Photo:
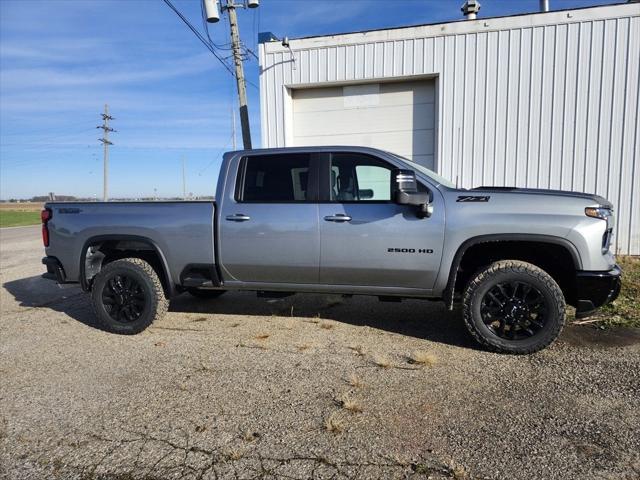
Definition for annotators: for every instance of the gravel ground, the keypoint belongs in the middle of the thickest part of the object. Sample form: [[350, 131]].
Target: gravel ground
[[304, 387]]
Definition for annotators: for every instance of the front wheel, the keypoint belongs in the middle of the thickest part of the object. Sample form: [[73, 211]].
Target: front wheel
[[514, 307], [127, 296]]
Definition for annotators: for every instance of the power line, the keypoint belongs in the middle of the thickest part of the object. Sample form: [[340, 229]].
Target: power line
[[221, 151], [199, 36]]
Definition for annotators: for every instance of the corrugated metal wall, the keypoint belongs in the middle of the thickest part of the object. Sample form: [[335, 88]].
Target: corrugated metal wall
[[547, 100]]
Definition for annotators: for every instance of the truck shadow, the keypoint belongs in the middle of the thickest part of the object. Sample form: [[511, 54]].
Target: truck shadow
[[415, 318]]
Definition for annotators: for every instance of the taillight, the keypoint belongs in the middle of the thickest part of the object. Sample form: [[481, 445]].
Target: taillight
[[45, 216]]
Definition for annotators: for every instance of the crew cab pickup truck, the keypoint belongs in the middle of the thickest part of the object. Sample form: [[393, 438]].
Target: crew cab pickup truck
[[345, 220]]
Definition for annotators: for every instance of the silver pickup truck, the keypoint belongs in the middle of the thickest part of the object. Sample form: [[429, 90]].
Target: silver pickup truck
[[346, 220]]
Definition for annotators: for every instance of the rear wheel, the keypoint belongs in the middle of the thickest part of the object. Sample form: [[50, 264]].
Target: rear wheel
[[203, 293], [514, 307], [127, 296]]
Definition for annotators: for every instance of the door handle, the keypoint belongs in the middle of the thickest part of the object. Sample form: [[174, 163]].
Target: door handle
[[338, 217], [238, 217]]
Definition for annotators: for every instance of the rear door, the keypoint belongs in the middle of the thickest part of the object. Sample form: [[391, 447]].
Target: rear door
[[269, 224], [365, 238]]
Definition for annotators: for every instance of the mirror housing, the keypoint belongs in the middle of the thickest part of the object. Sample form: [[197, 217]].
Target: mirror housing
[[404, 191]]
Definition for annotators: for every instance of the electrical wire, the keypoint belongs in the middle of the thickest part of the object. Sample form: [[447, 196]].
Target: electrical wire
[[199, 36], [215, 158], [205, 27]]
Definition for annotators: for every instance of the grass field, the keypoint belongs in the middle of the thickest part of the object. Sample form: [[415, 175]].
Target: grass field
[[19, 214], [17, 218]]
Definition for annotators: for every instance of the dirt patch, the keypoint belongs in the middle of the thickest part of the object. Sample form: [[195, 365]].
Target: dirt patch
[[594, 337]]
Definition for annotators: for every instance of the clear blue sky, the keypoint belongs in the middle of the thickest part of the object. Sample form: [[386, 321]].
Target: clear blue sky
[[62, 60]]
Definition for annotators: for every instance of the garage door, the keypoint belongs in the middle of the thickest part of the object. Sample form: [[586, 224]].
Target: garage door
[[398, 117]]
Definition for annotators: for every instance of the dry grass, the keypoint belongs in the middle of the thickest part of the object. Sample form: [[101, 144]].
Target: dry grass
[[334, 423], [262, 336], [349, 403], [459, 472], [420, 357], [382, 361], [258, 345], [249, 436], [303, 347], [22, 206], [357, 349], [625, 310], [234, 453], [326, 325], [356, 381]]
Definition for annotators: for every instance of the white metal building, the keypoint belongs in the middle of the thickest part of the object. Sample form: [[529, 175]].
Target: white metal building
[[548, 100]]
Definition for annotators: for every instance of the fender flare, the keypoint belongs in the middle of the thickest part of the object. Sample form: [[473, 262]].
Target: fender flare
[[166, 273], [503, 237]]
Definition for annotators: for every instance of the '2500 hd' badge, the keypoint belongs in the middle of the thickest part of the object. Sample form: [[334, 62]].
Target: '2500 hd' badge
[[409, 250]]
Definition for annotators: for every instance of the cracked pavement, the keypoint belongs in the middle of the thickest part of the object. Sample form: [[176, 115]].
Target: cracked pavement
[[240, 388]]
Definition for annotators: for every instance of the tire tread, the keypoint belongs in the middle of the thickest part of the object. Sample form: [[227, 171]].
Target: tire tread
[[161, 302], [514, 266]]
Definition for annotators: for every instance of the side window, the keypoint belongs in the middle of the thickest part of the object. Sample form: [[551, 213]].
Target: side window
[[359, 178], [275, 178]]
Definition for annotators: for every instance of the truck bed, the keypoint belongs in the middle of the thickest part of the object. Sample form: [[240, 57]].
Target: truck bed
[[181, 231]]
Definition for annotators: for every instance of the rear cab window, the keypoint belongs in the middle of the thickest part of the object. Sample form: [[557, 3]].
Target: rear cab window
[[275, 178]]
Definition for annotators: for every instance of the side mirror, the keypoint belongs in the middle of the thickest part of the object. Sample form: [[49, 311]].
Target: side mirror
[[404, 190]]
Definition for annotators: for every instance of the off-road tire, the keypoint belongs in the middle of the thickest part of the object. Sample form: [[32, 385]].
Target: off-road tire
[[155, 303], [204, 293], [521, 272]]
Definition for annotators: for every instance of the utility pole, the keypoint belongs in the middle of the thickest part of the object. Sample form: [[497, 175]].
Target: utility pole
[[184, 180], [230, 6], [105, 142], [242, 86]]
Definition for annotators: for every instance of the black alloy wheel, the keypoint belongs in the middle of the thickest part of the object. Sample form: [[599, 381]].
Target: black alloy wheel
[[124, 298], [511, 306], [128, 296], [514, 310]]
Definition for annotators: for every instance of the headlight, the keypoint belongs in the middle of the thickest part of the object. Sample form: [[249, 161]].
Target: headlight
[[598, 212]]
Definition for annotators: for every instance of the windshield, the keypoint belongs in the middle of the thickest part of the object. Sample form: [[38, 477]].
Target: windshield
[[425, 171]]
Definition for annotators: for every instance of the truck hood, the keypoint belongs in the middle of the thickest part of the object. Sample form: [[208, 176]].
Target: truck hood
[[541, 191]]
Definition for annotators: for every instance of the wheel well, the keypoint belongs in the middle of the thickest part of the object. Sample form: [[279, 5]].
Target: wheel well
[[101, 252], [553, 258]]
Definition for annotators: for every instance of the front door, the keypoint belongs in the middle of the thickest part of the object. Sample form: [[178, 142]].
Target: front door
[[269, 224], [368, 240]]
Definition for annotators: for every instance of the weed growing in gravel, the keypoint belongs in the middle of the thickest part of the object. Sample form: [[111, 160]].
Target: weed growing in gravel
[[303, 347], [357, 349], [326, 325], [459, 472], [382, 361], [355, 381], [423, 358], [249, 436], [334, 423], [234, 454], [348, 403]]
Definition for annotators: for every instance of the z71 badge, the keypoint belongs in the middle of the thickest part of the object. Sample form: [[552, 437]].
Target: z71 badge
[[473, 198]]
